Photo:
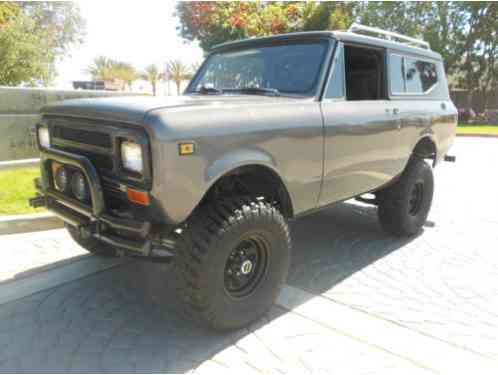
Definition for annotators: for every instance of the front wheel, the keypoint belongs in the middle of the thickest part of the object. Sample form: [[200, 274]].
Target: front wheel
[[235, 260], [404, 206]]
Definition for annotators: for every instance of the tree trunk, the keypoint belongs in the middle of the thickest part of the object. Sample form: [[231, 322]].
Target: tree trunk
[[178, 84], [469, 97], [153, 88]]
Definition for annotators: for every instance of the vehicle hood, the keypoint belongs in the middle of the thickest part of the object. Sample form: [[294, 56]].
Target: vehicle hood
[[133, 109]]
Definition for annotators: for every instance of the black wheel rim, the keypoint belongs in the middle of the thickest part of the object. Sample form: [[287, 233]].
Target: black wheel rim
[[416, 199], [246, 266]]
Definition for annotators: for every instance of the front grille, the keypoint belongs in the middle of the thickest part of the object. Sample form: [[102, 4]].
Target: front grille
[[96, 140], [112, 187], [82, 136], [100, 161]]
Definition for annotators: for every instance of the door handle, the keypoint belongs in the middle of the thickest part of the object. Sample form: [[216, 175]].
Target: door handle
[[395, 111], [443, 105]]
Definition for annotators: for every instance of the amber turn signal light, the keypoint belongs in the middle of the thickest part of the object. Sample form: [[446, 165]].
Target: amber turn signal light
[[187, 148], [137, 196]]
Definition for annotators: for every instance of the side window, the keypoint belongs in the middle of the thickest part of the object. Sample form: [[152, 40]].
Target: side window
[[420, 75], [335, 88], [364, 69], [396, 74], [411, 76]]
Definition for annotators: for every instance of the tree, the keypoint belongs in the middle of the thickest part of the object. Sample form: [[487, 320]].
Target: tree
[[24, 55], [438, 23], [33, 35], [328, 15], [106, 69], [8, 12], [178, 72], [216, 22], [124, 72], [478, 65], [102, 69], [152, 75], [59, 21]]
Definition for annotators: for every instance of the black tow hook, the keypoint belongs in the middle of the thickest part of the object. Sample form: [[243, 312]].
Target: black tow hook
[[161, 253], [156, 255], [157, 251], [450, 158]]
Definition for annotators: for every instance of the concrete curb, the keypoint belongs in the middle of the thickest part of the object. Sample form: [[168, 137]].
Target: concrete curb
[[17, 164], [13, 224], [475, 135]]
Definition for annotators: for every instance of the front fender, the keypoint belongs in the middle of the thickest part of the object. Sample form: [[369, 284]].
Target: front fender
[[194, 176], [235, 159]]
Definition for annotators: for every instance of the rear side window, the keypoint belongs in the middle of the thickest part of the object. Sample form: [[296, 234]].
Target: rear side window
[[420, 75], [408, 75]]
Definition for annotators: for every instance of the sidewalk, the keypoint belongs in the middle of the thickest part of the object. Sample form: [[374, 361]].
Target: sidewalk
[[123, 319]]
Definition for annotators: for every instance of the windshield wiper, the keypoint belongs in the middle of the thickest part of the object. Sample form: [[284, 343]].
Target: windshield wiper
[[257, 90], [209, 90]]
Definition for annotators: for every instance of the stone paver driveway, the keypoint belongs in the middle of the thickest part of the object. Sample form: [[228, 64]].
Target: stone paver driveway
[[357, 301]]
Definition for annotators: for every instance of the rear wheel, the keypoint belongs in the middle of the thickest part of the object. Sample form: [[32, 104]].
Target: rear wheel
[[234, 263], [91, 244], [404, 206]]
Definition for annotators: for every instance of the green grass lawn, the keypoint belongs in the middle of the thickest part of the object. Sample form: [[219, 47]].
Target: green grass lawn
[[16, 187], [477, 129]]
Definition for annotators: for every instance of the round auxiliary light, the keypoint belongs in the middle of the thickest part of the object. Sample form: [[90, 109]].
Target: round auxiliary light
[[62, 179], [79, 187]]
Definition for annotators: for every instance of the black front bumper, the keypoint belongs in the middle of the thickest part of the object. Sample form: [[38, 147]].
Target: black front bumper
[[134, 237]]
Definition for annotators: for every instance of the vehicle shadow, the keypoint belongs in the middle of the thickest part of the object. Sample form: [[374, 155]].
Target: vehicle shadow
[[333, 244], [127, 319], [46, 267]]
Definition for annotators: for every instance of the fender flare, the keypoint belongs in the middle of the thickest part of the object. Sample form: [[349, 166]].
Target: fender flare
[[231, 161], [431, 138]]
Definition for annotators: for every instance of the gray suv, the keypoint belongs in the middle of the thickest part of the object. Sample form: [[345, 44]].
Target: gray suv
[[268, 130]]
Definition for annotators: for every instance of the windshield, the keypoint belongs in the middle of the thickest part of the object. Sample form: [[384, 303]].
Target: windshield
[[292, 68]]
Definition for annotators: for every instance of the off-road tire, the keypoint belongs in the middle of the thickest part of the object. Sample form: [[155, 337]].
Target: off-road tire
[[210, 237], [90, 244], [398, 214]]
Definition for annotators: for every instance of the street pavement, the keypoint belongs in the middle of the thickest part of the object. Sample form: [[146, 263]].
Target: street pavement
[[357, 301]]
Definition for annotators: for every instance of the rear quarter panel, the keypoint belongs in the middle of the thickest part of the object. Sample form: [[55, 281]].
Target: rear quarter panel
[[431, 115]]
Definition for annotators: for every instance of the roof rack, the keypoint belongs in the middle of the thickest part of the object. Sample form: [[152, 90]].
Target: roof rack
[[389, 35]]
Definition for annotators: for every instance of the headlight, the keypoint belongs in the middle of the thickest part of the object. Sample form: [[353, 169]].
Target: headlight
[[131, 156], [61, 179], [44, 136]]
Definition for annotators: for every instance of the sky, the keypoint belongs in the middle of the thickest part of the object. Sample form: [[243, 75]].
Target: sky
[[139, 32]]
